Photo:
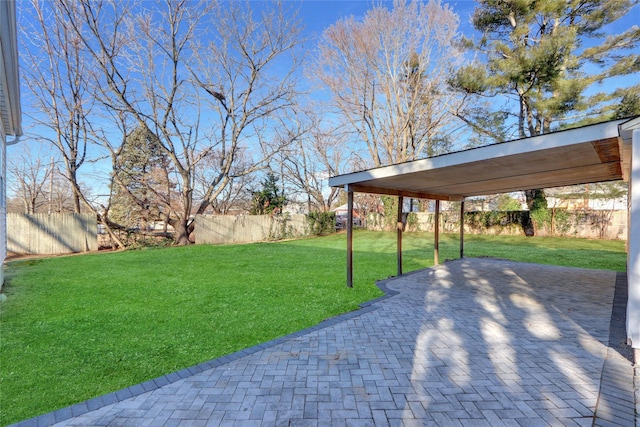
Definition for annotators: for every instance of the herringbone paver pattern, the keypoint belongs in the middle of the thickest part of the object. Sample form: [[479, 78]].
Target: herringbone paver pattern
[[474, 342]]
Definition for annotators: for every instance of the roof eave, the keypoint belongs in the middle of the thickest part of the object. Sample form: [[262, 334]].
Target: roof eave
[[518, 146], [10, 68]]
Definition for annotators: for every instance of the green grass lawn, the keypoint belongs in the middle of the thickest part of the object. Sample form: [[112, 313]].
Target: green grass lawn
[[77, 327]]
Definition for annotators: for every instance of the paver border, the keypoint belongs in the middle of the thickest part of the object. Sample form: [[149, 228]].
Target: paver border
[[617, 401]]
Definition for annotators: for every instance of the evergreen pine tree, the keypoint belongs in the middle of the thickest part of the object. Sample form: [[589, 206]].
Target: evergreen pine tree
[[268, 200], [139, 180], [537, 67]]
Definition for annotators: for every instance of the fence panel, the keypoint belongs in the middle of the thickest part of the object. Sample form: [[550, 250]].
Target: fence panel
[[40, 234], [591, 224], [224, 229]]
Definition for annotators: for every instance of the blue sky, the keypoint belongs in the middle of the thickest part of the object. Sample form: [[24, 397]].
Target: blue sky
[[317, 15]]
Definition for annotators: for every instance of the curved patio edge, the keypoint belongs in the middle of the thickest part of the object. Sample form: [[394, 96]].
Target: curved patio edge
[[98, 402]]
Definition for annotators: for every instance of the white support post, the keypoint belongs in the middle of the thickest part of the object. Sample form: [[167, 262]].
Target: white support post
[[633, 242]]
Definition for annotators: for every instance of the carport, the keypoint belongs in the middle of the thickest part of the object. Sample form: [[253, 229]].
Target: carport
[[595, 153]]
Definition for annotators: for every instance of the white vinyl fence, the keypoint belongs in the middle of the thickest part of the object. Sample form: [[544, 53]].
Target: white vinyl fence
[[51, 233]]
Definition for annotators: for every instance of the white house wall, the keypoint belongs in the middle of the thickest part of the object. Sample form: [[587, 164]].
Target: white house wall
[[633, 261], [3, 202], [10, 108]]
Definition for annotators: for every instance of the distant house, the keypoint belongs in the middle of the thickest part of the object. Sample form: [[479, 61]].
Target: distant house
[[341, 216], [296, 208], [10, 110]]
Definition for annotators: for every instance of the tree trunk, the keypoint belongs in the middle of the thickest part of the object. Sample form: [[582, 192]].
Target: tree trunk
[[76, 191], [536, 200], [102, 219], [181, 229]]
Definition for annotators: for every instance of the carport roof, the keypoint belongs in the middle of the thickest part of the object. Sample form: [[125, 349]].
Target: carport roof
[[594, 153]]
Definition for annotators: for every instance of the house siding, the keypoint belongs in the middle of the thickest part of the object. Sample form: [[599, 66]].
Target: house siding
[[3, 203], [10, 108]]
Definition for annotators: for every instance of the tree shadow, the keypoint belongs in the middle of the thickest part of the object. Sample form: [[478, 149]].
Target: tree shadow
[[499, 340], [51, 234]]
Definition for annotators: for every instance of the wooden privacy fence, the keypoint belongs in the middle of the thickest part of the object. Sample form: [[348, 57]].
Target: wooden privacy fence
[[70, 233], [51, 233], [217, 229]]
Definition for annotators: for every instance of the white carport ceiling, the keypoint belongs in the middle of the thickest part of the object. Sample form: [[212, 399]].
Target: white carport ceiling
[[588, 154]]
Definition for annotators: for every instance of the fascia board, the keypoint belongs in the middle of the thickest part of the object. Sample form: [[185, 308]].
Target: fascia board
[[520, 146]]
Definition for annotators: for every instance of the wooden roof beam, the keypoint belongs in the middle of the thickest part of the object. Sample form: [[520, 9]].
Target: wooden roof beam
[[359, 188]]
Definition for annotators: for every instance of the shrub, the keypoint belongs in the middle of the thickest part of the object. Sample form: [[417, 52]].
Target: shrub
[[321, 223]]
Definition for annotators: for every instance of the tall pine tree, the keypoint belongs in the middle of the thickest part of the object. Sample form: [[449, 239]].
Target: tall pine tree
[[539, 59], [140, 190]]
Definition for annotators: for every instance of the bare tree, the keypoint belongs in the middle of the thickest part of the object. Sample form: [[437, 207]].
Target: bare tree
[[60, 195], [140, 83], [29, 173], [236, 194], [55, 75], [247, 71], [387, 75], [161, 65], [59, 79], [35, 182], [318, 152]]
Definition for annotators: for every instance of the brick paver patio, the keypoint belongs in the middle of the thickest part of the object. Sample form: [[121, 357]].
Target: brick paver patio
[[472, 342]]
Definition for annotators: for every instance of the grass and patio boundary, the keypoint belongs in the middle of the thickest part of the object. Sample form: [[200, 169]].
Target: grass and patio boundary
[[77, 327]]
